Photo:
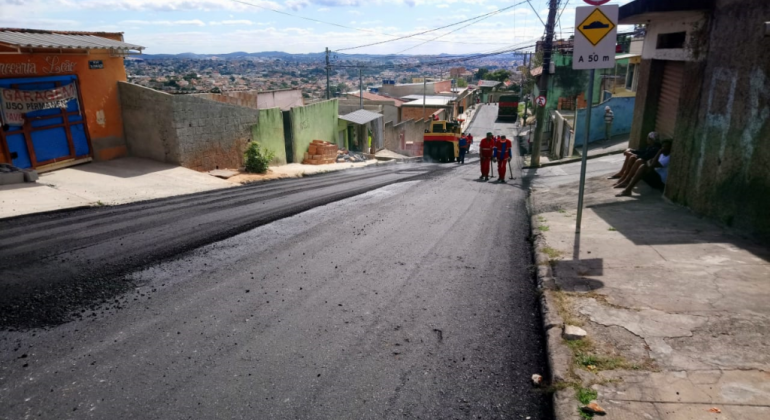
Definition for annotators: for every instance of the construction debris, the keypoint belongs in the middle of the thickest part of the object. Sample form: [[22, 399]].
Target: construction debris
[[321, 153], [344, 155], [593, 408]]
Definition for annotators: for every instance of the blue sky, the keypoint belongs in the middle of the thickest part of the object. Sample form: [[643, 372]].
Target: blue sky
[[222, 26]]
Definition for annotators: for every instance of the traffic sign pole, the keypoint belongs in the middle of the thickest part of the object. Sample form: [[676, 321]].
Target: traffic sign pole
[[594, 48], [584, 160]]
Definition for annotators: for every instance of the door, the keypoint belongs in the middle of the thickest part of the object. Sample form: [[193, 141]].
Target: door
[[668, 104], [50, 135]]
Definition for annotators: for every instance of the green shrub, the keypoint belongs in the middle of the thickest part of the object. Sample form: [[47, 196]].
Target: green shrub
[[257, 160]]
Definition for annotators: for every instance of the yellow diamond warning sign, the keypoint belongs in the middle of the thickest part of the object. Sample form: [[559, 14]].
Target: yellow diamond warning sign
[[596, 26]]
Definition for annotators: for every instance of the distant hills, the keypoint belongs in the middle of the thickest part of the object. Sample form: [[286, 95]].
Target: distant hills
[[239, 55]]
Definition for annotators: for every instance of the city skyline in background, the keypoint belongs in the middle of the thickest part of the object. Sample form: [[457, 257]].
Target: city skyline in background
[[300, 26]]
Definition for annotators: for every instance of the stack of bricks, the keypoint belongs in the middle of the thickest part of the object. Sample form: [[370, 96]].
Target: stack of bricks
[[320, 153]]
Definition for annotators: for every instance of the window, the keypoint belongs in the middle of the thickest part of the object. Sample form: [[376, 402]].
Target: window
[[630, 77], [671, 41]]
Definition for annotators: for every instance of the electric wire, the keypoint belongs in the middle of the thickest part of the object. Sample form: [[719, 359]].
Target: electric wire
[[348, 27], [492, 13]]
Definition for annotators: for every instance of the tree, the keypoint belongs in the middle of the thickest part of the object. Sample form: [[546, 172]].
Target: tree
[[462, 83], [215, 90], [481, 73], [342, 88], [500, 75]]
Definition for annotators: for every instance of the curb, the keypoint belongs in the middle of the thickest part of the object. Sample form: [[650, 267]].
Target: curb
[[572, 160], [558, 355]]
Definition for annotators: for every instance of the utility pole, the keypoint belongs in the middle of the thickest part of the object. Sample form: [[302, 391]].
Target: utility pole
[[328, 67], [543, 85], [361, 89]]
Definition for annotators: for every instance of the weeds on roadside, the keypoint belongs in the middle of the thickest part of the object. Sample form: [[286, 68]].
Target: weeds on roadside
[[257, 160]]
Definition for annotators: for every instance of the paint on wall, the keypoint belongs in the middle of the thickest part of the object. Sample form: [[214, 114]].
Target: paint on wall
[[623, 110], [317, 121], [269, 134]]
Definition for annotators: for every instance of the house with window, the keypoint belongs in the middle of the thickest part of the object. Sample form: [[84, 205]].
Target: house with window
[[59, 97], [703, 81]]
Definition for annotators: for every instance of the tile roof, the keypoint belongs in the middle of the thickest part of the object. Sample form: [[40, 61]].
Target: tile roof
[[374, 97]]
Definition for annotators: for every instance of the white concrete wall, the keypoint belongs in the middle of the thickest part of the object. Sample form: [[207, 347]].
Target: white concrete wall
[[284, 99], [687, 23]]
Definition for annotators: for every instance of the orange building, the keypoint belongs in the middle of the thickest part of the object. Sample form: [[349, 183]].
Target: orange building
[[59, 97]]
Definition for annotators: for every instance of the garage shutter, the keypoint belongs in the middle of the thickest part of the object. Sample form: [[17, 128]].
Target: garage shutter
[[668, 104], [50, 135]]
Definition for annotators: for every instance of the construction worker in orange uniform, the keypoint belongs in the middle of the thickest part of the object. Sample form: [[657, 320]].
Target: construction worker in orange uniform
[[486, 151], [502, 154]]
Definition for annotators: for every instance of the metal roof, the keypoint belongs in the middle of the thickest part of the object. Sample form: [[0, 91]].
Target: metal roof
[[361, 116], [69, 41], [431, 101], [488, 83]]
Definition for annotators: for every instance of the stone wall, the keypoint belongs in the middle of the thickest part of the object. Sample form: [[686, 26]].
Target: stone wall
[[187, 130], [317, 121], [269, 133], [720, 164]]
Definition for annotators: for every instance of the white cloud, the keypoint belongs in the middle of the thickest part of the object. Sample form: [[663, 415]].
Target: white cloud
[[194, 22], [231, 22], [169, 5], [37, 23], [442, 6]]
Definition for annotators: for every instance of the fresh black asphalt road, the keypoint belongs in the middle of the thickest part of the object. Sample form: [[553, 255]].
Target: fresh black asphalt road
[[405, 291]]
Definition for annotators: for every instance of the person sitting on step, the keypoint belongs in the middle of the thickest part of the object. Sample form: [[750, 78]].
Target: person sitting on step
[[654, 172], [632, 155]]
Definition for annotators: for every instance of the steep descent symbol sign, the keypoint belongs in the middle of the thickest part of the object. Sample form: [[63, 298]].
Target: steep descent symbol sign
[[596, 26], [540, 100]]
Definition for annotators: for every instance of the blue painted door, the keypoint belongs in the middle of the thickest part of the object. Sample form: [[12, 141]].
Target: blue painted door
[[55, 134]]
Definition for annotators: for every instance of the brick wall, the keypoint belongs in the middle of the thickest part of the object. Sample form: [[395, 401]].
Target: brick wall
[[187, 130], [246, 99], [415, 112]]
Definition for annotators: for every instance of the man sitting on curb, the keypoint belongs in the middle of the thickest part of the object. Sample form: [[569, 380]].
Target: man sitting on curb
[[654, 172], [632, 155]]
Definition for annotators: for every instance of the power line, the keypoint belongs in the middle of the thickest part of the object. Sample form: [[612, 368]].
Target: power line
[[450, 32], [347, 27], [434, 29]]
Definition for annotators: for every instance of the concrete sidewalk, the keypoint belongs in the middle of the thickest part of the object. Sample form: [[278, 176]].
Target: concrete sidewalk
[[676, 308], [596, 149], [117, 181]]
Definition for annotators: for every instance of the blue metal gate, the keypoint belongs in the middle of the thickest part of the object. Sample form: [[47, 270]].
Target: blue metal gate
[[47, 136]]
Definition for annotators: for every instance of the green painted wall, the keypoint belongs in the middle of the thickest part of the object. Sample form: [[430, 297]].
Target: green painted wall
[[269, 133], [342, 125], [313, 122]]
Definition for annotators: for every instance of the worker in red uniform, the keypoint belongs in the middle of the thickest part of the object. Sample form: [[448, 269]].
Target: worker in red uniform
[[502, 154], [486, 151], [470, 141]]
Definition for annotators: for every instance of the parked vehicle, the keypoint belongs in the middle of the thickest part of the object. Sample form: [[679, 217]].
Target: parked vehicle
[[508, 108], [441, 141]]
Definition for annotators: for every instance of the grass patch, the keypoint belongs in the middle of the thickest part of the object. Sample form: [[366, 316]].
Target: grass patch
[[612, 229], [562, 211], [552, 253], [543, 228], [561, 300], [586, 395], [541, 219]]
